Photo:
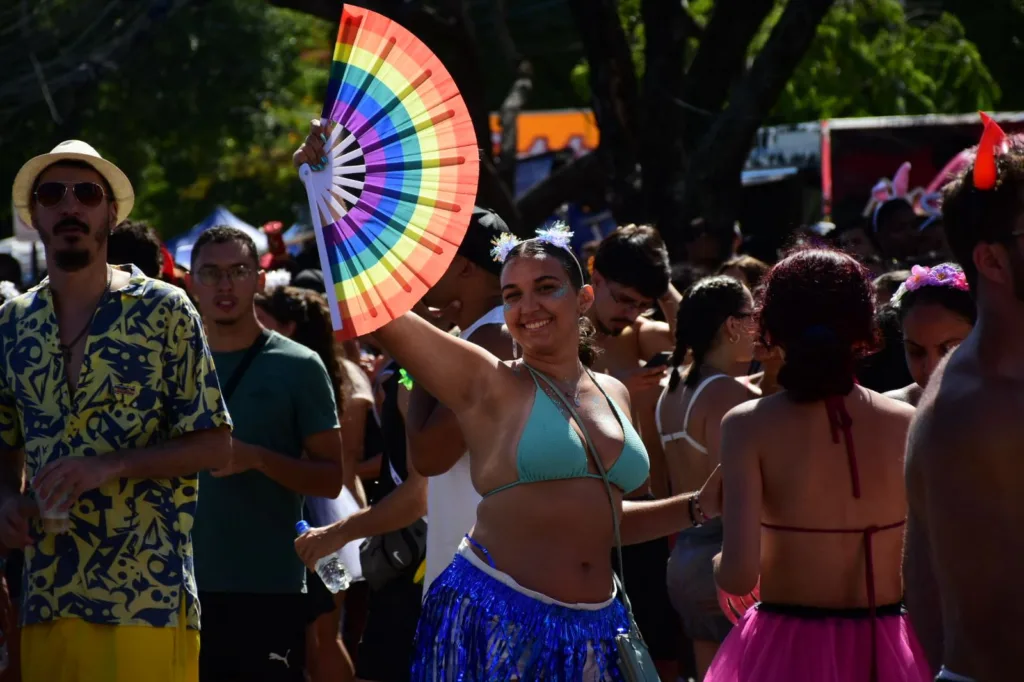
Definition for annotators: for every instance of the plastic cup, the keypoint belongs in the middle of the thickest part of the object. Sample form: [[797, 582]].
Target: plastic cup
[[54, 520]]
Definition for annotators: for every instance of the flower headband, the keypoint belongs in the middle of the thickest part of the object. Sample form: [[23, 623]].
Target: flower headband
[[8, 290], [943, 275], [558, 235], [277, 278]]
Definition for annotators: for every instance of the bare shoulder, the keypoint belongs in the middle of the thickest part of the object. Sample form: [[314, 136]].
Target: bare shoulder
[[907, 394], [361, 388], [890, 406], [615, 390], [731, 390]]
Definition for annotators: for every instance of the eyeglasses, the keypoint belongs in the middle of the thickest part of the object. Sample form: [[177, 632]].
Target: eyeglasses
[[211, 275], [88, 194], [630, 302]]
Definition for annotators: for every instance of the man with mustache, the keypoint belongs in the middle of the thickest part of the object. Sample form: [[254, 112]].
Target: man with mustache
[[109, 405]]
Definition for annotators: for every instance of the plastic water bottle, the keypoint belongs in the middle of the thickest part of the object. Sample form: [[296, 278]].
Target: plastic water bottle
[[330, 569]]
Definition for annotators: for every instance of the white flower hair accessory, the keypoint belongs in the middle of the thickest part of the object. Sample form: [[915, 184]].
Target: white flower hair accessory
[[503, 244], [277, 278], [558, 235], [8, 290]]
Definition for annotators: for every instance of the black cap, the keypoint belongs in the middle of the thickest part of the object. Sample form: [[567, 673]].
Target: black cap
[[485, 226], [310, 279]]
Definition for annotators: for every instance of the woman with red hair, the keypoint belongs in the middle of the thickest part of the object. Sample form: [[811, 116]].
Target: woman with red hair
[[814, 495]]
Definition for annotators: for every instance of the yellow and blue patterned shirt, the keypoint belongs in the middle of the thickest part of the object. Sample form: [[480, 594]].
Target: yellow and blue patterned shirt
[[147, 376]]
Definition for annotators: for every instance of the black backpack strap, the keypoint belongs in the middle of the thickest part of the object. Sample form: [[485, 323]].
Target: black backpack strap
[[243, 366]]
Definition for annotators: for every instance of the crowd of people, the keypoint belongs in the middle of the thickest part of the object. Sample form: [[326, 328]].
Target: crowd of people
[[568, 468]]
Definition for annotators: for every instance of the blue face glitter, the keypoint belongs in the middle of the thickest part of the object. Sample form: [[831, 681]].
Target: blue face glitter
[[561, 291], [507, 306]]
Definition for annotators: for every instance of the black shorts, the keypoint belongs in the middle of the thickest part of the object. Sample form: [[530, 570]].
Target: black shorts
[[645, 573], [385, 652], [253, 637]]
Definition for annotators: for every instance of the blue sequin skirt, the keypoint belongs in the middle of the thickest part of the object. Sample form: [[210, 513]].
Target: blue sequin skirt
[[479, 625]]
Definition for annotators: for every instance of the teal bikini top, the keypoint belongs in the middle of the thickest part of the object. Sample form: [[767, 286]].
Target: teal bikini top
[[551, 450]]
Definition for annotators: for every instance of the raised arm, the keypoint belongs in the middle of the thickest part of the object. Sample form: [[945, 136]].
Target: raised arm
[[434, 432], [739, 564], [456, 372]]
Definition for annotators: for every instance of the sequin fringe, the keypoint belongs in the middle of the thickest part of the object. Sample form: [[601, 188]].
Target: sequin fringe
[[474, 628]]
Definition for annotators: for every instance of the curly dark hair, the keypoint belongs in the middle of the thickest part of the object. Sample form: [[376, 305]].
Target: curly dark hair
[[704, 309], [818, 306], [308, 311], [534, 248]]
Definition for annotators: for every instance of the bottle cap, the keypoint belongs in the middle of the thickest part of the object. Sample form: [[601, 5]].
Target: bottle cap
[[301, 527]]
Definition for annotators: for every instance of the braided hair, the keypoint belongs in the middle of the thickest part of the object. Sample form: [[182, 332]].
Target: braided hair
[[307, 309], [704, 309]]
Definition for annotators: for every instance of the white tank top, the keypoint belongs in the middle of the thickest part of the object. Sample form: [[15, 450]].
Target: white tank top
[[451, 497]]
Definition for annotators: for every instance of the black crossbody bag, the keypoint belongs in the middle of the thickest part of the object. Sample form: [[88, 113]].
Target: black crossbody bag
[[243, 366]]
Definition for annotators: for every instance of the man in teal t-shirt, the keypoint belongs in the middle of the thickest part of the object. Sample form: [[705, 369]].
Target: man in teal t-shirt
[[286, 444]]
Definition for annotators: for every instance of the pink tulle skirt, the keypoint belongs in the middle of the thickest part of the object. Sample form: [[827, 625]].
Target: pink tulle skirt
[[787, 644]]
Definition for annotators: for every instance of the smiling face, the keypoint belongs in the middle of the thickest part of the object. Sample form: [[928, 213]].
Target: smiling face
[[224, 282], [73, 214], [930, 331], [542, 309]]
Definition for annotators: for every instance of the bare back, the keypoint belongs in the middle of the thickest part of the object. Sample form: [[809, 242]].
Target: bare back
[[965, 476], [688, 466], [809, 497]]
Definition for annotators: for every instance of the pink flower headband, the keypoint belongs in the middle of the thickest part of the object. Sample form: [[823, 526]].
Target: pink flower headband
[[943, 275]]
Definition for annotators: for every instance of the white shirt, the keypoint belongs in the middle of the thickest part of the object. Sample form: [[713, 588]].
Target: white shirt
[[451, 498]]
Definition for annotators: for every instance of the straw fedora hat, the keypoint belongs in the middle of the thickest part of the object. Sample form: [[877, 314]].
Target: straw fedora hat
[[74, 150]]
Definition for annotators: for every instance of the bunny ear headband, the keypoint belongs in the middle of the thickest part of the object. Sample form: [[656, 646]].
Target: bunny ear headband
[[558, 235], [886, 190]]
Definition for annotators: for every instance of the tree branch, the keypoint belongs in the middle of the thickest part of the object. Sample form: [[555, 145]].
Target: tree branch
[[614, 92], [713, 178], [662, 148], [719, 61], [575, 182], [514, 103]]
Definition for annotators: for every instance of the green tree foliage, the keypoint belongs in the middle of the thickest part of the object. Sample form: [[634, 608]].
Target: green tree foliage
[[207, 110], [868, 59]]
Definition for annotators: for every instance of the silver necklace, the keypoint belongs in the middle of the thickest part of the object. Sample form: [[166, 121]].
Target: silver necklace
[[575, 395]]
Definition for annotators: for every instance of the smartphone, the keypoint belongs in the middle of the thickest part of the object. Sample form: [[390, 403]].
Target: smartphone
[[659, 360]]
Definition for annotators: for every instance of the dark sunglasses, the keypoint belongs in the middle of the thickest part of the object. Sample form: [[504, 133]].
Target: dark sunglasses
[[88, 194], [211, 276]]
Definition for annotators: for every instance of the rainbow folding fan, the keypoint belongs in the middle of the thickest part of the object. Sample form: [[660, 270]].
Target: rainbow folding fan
[[396, 195]]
